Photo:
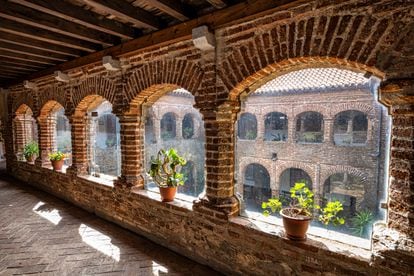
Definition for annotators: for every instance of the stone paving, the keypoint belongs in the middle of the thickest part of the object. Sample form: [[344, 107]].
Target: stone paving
[[41, 234]]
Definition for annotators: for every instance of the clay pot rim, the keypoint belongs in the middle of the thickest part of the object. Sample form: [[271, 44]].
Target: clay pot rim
[[300, 217]]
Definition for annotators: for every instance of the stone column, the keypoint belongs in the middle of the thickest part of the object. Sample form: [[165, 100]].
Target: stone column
[[260, 127], [132, 151], [179, 127]]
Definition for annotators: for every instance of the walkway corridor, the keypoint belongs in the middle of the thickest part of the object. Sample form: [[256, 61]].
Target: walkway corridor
[[40, 234]]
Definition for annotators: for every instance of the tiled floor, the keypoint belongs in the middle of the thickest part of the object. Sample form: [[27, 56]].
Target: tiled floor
[[40, 234]]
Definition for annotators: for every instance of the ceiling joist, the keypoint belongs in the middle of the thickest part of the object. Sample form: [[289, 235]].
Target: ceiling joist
[[127, 12], [80, 16], [44, 35], [32, 52], [171, 7], [25, 64], [24, 57], [25, 15]]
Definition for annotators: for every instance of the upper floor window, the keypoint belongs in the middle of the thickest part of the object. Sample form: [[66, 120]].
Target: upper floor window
[[309, 127], [276, 127], [247, 127], [350, 128], [188, 126], [168, 126]]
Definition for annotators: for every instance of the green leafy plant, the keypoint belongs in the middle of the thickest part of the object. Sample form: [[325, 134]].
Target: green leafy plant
[[361, 222], [30, 149], [56, 156], [164, 168], [303, 205], [250, 135]]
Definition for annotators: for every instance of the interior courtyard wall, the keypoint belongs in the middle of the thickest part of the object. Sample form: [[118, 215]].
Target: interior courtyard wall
[[357, 35]]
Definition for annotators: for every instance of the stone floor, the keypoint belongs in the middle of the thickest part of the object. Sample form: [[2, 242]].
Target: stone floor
[[40, 234]]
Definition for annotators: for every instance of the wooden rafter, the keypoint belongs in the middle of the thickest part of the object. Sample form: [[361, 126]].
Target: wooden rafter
[[38, 44], [41, 34], [16, 67], [28, 16], [80, 16], [218, 4], [26, 64], [32, 52], [24, 57], [171, 7], [127, 12]]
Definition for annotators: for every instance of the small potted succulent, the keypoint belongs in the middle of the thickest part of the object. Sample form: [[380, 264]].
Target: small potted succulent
[[30, 151], [57, 158], [164, 171], [302, 209]]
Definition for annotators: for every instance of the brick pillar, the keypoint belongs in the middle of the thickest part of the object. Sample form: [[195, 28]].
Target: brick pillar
[[398, 96], [220, 148], [260, 127], [328, 130], [179, 128], [46, 129], [132, 151], [79, 146]]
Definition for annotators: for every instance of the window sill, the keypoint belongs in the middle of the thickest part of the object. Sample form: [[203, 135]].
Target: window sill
[[318, 237], [105, 180], [178, 203]]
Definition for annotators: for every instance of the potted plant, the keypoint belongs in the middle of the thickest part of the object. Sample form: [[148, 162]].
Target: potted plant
[[30, 151], [164, 171], [302, 209], [57, 158]]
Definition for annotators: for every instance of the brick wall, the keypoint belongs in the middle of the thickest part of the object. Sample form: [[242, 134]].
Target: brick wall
[[371, 36]]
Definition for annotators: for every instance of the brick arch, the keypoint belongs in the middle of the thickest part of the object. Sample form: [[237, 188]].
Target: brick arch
[[25, 98], [96, 86], [152, 80], [55, 92], [280, 109], [24, 109], [246, 161], [282, 166], [325, 174], [49, 107], [343, 41], [88, 103], [364, 108]]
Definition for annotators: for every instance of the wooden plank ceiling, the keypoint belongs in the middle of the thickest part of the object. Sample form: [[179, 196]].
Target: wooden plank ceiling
[[38, 34]]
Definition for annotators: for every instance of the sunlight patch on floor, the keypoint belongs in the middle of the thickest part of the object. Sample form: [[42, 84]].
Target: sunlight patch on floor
[[158, 269], [50, 214], [99, 241]]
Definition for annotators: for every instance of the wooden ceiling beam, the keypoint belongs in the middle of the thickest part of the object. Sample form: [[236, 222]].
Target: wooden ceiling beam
[[16, 67], [25, 64], [218, 19], [32, 52], [15, 71], [24, 57], [40, 45], [127, 12], [80, 16], [44, 35], [218, 4], [51, 23], [171, 7]]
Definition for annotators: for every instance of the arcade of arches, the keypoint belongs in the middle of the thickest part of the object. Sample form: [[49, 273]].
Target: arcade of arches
[[318, 93]]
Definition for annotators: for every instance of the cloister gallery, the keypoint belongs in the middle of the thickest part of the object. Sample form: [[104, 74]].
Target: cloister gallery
[[256, 96]]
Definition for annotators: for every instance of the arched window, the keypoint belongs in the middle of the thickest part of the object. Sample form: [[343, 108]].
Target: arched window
[[186, 137], [276, 127], [247, 127], [256, 187], [289, 177], [309, 127], [63, 136], [25, 130], [350, 128], [104, 135], [168, 126], [188, 126]]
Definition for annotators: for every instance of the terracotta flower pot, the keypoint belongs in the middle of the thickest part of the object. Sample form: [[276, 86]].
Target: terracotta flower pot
[[57, 164], [295, 227], [30, 158], [168, 193]]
